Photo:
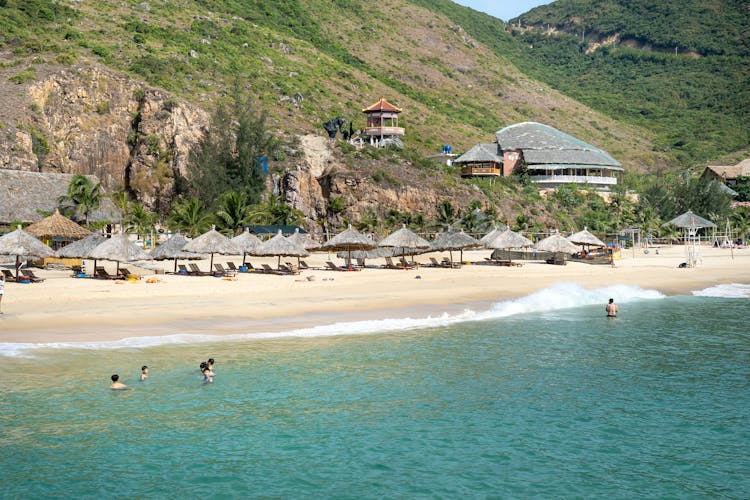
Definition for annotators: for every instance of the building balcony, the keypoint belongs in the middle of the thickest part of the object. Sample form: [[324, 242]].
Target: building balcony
[[475, 171], [383, 131], [574, 179]]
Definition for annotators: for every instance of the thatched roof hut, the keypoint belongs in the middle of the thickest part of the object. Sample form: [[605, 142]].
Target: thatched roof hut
[[81, 249], [689, 220], [212, 242], [23, 195], [509, 239], [57, 230], [585, 238], [405, 238], [21, 244]]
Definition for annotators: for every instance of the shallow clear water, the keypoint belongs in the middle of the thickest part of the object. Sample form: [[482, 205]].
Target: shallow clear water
[[562, 404]]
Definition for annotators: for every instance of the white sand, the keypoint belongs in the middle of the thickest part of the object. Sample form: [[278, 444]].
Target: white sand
[[68, 309]]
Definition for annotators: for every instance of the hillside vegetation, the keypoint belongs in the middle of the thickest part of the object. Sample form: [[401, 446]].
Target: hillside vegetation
[[679, 69]]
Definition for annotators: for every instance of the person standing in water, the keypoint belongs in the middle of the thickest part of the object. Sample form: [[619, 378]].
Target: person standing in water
[[116, 384], [144, 373], [611, 309], [2, 291]]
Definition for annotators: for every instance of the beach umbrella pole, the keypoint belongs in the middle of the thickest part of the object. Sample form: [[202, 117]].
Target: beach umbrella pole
[[18, 264]]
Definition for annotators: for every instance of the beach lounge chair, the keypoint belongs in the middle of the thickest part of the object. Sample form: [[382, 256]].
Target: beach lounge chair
[[361, 262], [126, 274], [232, 267], [8, 275], [101, 273], [182, 269], [266, 269], [288, 268], [224, 272], [303, 265], [334, 267], [558, 260], [196, 271], [31, 276], [407, 264], [389, 264]]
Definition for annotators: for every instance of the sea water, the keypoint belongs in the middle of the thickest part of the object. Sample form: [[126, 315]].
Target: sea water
[[537, 397]]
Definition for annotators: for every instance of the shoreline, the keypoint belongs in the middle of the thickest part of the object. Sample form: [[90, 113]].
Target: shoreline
[[68, 310]]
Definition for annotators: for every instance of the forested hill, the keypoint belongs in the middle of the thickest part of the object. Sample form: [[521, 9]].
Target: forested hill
[[680, 68]]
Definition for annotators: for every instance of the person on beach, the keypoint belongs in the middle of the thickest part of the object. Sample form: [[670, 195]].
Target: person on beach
[[611, 309], [2, 291], [208, 375], [116, 384], [144, 372]]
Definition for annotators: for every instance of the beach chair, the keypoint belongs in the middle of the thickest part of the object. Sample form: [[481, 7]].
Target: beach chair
[[8, 275], [232, 267], [196, 271], [101, 273], [224, 272], [289, 268], [334, 267], [126, 274], [303, 265], [266, 269], [31, 276], [182, 269], [406, 264], [361, 262], [389, 264]]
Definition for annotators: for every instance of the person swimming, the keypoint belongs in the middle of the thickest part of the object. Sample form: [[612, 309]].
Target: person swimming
[[144, 373], [611, 309], [210, 364], [116, 384], [208, 375]]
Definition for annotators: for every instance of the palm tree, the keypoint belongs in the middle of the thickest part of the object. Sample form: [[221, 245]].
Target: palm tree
[[446, 214], [233, 211], [84, 195], [275, 211], [189, 216], [741, 221], [141, 219]]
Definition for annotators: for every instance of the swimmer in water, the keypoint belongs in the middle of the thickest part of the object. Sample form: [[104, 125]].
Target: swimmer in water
[[208, 375], [144, 373], [116, 384], [210, 364], [611, 309]]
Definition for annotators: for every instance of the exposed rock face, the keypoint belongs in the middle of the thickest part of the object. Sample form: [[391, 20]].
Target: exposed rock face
[[89, 120]]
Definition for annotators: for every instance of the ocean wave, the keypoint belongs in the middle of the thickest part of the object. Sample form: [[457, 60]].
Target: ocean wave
[[728, 291], [557, 297]]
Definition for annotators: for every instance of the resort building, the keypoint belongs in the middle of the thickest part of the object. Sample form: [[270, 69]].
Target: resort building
[[550, 157], [731, 175], [381, 124]]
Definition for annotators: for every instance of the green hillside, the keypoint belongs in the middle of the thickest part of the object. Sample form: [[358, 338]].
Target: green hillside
[[679, 69]]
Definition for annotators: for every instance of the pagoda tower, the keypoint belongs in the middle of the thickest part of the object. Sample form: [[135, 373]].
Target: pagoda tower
[[382, 122]]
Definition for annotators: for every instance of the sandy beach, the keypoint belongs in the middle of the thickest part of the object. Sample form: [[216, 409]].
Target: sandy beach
[[65, 309]]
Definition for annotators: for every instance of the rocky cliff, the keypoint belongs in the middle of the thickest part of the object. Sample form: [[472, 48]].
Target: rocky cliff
[[87, 119]]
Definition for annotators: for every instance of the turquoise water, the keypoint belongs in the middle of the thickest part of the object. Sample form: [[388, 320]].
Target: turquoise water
[[565, 403]]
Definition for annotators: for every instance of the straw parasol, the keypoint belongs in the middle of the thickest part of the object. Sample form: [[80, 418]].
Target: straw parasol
[[57, 226], [19, 243], [303, 240], [556, 244], [119, 249], [349, 240], [280, 246], [247, 243], [407, 240], [212, 242], [585, 238], [492, 234], [81, 249], [508, 239], [452, 240], [173, 249], [690, 224]]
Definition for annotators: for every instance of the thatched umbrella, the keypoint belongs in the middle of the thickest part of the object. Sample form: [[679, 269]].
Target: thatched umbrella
[[508, 239], [57, 226], [212, 242], [493, 234], [303, 240], [81, 249], [247, 243], [586, 238], [452, 240], [281, 247], [556, 244], [407, 240], [173, 249], [119, 249], [19, 243], [349, 240], [690, 224]]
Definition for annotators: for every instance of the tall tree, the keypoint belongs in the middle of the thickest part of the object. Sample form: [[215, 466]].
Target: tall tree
[[189, 216], [141, 219], [233, 211], [84, 195]]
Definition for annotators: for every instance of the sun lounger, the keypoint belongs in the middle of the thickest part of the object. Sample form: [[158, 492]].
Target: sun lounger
[[126, 274], [334, 267], [232, 267], [182, 269], [266, 269], [101, 273], [224, 272], [31, 276], [8, 275], [288, 268], [407, 264], [196, 271], [558, 260], [303, 265]]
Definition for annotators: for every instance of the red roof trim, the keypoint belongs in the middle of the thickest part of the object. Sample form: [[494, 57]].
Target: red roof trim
[[382, 105]]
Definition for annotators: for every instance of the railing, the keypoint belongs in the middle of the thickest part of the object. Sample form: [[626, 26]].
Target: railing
[[469, 171], [384, 131], [577, 179]]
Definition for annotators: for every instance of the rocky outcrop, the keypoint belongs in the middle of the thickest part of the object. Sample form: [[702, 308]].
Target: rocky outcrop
[[90, 120]]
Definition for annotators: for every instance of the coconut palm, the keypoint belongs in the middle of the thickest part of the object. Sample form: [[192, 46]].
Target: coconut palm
[[741, 222], [232, 214], [84, 195], [190, 217], [275, 211], [140, 219]]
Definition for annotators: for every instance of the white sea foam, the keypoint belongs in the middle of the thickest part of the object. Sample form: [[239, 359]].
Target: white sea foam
[[730, 291], [557, 297]]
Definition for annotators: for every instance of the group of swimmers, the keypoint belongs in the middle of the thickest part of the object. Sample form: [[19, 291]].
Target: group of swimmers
[[206, 368]]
